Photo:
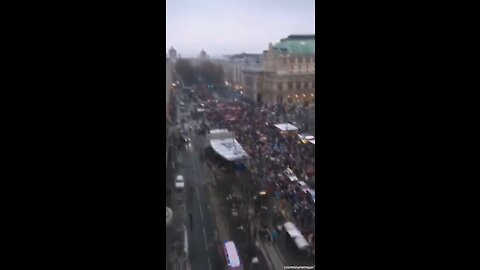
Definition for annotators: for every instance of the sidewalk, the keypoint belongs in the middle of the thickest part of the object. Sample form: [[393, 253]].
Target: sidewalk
[[175, 232], [279, 253], [281, 245], [269, 250]]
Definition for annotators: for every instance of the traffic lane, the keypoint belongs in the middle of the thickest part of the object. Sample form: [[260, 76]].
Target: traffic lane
[[241, 239], [198, 247], [209, 226], [204, 232], [238, 235], [175, 203]]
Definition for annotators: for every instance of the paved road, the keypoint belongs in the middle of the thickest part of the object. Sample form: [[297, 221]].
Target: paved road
[[204, 250], [226, 185], [207, 215], [203, 244], [218, 190], [175, 232]]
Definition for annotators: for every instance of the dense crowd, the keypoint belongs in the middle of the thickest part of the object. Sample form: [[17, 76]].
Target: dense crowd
[[271, 152]]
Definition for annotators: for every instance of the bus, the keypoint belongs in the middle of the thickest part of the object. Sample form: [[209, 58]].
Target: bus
[[231, 256]]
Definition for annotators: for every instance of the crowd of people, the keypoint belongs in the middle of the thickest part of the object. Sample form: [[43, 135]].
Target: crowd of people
[[271, 153]]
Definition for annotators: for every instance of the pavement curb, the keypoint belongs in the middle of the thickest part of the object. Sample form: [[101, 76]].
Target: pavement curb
[[271, 250], [280, 254]]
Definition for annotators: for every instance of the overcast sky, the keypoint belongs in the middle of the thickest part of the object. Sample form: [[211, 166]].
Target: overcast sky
[[235, 26]]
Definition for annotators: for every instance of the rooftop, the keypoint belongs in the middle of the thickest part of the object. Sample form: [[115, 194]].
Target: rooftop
[[286, 127], [244, 55], [229, 149], [297, 45], [300, 37]]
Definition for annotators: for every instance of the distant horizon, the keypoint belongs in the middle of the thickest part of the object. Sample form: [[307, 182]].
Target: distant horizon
[[221, 56], [211, 56], [232, 27]]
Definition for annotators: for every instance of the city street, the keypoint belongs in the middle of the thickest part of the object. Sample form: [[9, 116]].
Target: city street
[[206, 215], [241, 133], [203, 248]]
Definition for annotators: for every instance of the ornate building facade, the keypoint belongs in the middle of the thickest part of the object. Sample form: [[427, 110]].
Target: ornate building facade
[[287, 75]]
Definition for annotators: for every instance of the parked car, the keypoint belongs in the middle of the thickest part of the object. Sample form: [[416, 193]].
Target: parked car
[[179, 182], [289, 173], [311, 193], [302, 184], [305, 138]]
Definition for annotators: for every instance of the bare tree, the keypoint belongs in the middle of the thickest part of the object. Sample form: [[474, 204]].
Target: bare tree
[[186, 71], [211, 73]]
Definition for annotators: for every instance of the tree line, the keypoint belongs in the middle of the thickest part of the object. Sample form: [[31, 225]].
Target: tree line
[[206, 72]]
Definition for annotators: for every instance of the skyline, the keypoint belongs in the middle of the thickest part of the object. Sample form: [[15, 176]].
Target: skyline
[[230, 27]]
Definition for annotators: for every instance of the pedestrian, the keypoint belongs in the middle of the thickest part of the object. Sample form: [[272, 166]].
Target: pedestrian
[[269, 237]]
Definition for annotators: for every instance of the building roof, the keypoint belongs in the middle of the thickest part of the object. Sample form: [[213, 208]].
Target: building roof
[[291, 229], [297, 45], [233, 259], [286, 127], [229, 149], [300, 37], [245, 55], [215, 131]]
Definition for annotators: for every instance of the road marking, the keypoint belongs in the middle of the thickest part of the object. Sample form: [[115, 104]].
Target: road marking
[[213, 178], [198, 194], [209, 264], [201, 211], [205, 237]]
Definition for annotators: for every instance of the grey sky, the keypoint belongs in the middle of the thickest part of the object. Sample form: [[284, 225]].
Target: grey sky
[[235, 26]]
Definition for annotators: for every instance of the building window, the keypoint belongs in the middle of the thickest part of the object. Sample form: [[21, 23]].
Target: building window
[[290, 85], [313, 84], [305, 85], [284, 61], [298, 85], [307, 60], [292, 60], [280, 86]]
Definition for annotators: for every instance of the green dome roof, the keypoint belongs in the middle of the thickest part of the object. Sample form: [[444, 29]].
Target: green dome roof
[[296, 47]]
